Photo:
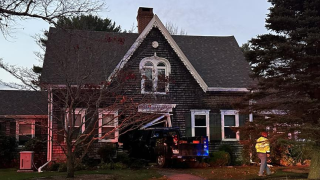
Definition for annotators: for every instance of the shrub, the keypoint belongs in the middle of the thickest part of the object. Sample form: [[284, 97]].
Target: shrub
[[117, 165], [90, 162], [219, 158], [8, 151], [62, 167], [39, 148], [123, 158], [107, 152], [227, 148], [287, 153], [79, 167], [136, 163], [54, 167], [35, 145]]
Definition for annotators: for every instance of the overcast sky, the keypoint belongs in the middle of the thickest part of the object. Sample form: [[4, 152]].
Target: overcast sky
[[244, 19]]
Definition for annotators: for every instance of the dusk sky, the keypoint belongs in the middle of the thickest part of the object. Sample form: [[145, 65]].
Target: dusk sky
[[244, 19]]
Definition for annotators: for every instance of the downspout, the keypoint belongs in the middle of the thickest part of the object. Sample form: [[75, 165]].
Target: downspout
[[49, 147]]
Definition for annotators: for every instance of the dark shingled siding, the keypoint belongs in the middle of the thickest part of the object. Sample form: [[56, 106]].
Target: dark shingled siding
[[183, 91], [90, 57]]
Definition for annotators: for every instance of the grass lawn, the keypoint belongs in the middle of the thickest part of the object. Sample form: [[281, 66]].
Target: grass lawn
[[125, 174], [250, 173], [210, 173]]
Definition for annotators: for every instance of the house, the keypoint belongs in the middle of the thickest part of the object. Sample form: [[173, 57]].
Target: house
[[24, 115], [189, 81]]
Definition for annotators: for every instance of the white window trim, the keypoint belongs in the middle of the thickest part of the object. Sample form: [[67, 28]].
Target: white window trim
[[195, 112], [82, 112], [155, 60], [31, 122], [236, 114], [116, 132]]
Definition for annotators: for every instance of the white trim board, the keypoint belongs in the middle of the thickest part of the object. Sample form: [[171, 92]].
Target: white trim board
[[155, 22]]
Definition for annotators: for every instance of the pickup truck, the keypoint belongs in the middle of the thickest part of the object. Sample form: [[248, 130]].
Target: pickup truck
[[162, 144]]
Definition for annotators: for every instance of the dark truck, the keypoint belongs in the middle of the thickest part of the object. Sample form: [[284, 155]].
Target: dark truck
[[165, 144]]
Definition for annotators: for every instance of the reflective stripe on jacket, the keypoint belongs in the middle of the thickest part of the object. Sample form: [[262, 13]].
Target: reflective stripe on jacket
[[262, 145]]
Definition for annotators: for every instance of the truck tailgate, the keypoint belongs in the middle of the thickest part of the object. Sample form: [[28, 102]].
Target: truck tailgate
[[194, 146]]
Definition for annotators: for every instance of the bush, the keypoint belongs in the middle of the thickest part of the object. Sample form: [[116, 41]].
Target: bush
[[123, 158], [107, 152], [79, 167], [136, 163], [219, 158], [62, 167], [54, 167], [227, 148], [90, 162], [39, 148], [117, 165], [8, 151], [35, 145], [287, 153]]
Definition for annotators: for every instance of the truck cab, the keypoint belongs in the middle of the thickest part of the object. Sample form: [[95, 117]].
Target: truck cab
[[162, 144]]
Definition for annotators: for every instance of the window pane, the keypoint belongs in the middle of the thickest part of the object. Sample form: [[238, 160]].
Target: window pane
[[229, 120], [25, 129], [200, 131], [200, 120], [78, 120], [108, 120], [148, 64], [161, 75], [148, 83], [148, 73], [12, 128], [106, 130], [24, 138], [161, 86], [148, 86], [229, 133], [76, 132], [161, 65]]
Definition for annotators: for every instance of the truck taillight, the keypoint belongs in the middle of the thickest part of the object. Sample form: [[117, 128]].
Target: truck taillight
[[195, 142], [175, 151]]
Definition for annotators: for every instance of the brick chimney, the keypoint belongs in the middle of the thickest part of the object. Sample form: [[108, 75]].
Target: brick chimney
[[144, 17]]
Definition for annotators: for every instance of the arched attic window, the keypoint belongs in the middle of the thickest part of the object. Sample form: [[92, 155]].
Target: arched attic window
[[154, 75]]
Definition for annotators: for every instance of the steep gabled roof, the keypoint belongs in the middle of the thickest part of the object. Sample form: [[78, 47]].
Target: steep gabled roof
[[23, 103], [216, 63]]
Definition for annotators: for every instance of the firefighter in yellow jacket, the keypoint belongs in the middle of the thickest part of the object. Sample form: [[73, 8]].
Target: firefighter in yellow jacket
[[263, 151]]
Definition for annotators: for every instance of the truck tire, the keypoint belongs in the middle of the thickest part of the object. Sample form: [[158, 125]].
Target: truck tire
[[162, 161]]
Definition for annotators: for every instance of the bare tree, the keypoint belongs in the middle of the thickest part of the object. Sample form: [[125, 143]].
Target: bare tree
[[28, 78], [174, 29], [47, 10], [85, 110]]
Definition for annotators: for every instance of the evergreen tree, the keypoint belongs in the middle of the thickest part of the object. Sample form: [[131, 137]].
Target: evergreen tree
[[286, 65], [88, 22]]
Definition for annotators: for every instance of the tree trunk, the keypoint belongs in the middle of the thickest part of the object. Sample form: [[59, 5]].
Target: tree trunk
[[70, 163], [314, 172]]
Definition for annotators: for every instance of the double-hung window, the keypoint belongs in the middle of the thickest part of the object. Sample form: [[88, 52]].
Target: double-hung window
[[229, 119], [25, 131], [75, 121], [108, 122], [155, 74], [200, 123]]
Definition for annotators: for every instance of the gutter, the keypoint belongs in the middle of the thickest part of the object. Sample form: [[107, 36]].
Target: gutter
[[49, 147]]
